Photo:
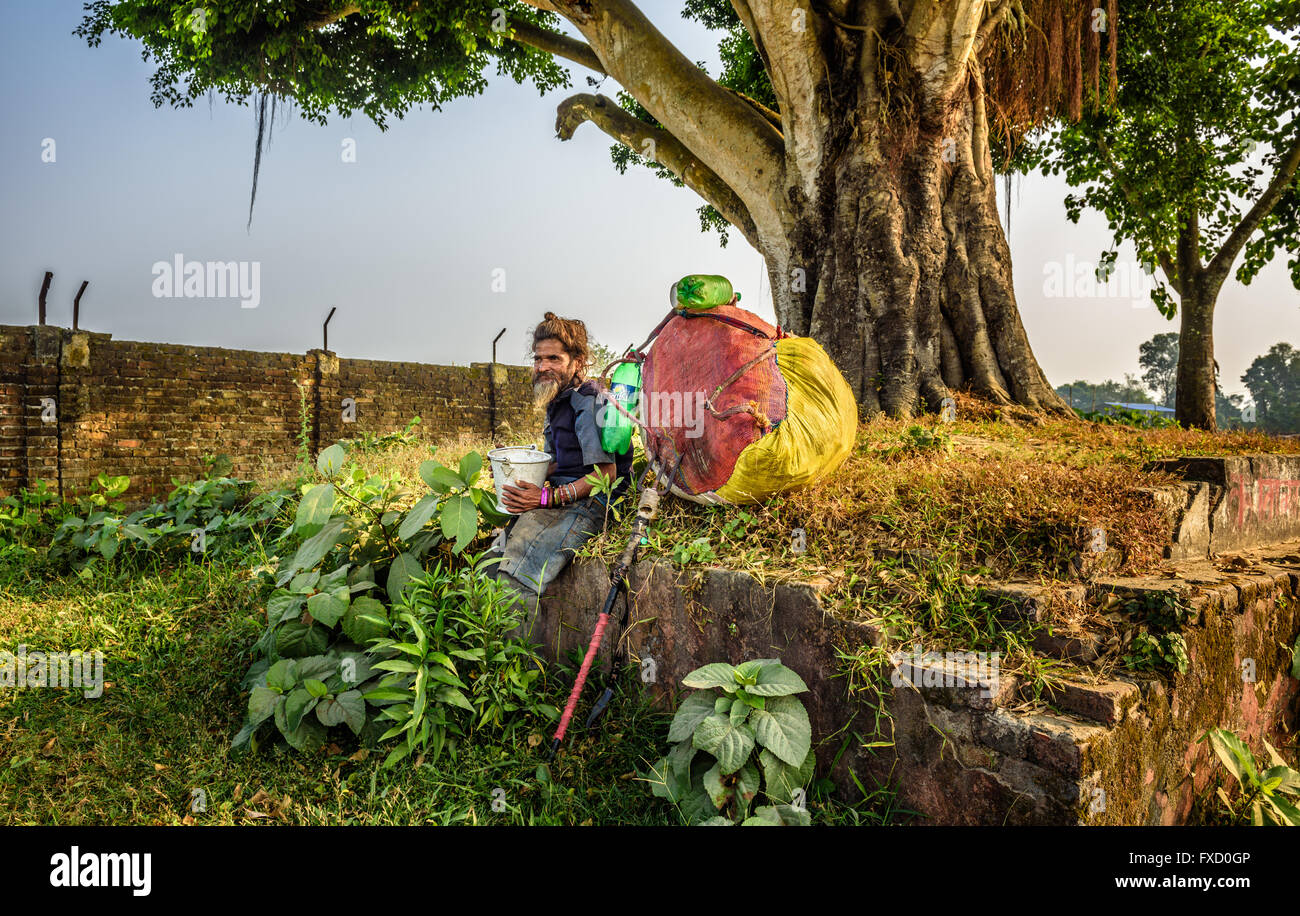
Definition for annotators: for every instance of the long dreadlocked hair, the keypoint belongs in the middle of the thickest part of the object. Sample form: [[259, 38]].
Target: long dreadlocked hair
[[570, 332]]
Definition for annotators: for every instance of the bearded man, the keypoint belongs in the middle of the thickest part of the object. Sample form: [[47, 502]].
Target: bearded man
[[555, 519]]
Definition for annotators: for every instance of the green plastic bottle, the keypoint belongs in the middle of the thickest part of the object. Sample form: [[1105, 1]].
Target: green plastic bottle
[[702, 291], [625, 388]]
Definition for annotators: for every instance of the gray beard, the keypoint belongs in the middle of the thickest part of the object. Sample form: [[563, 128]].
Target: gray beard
[[544, 391]]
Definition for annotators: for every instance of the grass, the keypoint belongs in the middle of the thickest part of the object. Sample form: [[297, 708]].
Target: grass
[[154, 748]]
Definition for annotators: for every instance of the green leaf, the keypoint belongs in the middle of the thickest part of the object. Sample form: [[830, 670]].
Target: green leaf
[[282, 605], [696, 806], [283, 675], [313, 550], [400, 572], [781, 779], [317, 667], [1295, 658], [694, 709], [782, 726], [746, 787], [296, 640], [308, 736], [304, 582], [470, 466], [314, 509], [454, 697], [329, 607], [459, 521], [719, 794], [731, 745], [718, 674], [418, 516], [717, 821], [366, 619], [316, 688], [1235, 755], [330, 460], [738, 713], [775, 680], [261, 704], [296, 705], [439, 478]]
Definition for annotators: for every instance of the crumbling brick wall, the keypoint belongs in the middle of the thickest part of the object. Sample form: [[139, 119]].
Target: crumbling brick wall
[[74, 404]]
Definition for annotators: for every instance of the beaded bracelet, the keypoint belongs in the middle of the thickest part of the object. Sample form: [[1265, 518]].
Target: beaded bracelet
[[541, 500]]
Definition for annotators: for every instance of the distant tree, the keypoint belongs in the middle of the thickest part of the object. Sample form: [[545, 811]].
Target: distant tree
[[1158, 358], [1227, 409], [1273, 381], [1089, 396], [1197, 164]]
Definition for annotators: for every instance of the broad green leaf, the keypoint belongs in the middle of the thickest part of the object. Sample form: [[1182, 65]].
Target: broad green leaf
[[330, 461], [718, 674], [694, 709], [304, 582], [308, 736], [365, 620], [718, 793], [316, 688], [781, 779], [1295, 659], [775, 681], [782, 727], [746, 787], [696, 806], [316, 667], [261, 704], [738, 713], [282, 605], [440, 479], [283, 675], [296, 705], [731, 745], [717, 821], [296, 640], [470, 466], [1235, 755], [454, 697], [314, 509], [418, 516], [329, 607], [313, 550], [765, 816], [354, 709], [400, 572], [459, 521]]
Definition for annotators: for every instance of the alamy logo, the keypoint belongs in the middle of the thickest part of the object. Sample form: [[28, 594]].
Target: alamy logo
[[660, 410], [946, 669], [104, 869], [53, 669], [180, 278]]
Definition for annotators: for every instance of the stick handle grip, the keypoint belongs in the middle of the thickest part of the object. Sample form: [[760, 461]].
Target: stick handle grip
[[582, 676]]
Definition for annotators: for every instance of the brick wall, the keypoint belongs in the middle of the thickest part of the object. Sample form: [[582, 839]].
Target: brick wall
[[74, 404]]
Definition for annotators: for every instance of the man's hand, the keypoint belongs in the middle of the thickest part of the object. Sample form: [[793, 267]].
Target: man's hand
[[522, 496]]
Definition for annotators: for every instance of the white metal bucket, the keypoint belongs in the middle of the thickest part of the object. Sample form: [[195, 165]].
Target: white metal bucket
[[511, 465]]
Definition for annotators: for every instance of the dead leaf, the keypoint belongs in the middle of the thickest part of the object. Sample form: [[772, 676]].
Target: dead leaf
[[239, 792], [534, 739], [333, 749], [260, 797], [249, 812], [159, 767], [49, 747], [188, 820], [360, 755]]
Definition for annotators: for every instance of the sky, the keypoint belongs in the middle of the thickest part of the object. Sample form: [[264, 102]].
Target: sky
[[446, 228]]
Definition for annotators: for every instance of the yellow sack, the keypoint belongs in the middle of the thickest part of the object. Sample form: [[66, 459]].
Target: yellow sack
[[815, 437]]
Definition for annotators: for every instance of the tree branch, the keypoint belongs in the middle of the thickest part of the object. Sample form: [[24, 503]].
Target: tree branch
[[667, 150], [1286, 169], [555, 43], [721, 130]]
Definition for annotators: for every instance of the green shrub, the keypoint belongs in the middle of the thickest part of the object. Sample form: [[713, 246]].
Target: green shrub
[[740, 736]]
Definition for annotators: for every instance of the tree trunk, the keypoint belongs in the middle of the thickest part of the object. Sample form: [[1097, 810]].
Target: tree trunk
[[1195, 387], [904, 276]]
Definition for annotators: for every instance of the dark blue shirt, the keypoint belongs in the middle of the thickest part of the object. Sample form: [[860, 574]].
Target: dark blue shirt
[[572, 437]]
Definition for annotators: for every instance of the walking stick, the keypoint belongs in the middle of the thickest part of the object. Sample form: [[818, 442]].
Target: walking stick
[[645, 513]]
